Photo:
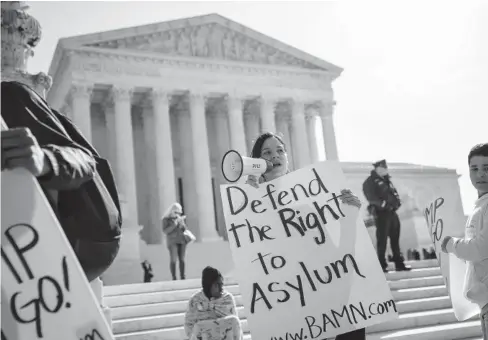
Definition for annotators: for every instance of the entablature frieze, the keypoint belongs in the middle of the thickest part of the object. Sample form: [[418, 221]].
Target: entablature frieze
[[194, 62], [162, 67], [182, 88]]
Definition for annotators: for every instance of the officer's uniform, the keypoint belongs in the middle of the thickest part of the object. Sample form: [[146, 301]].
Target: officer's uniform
[[384, 201]]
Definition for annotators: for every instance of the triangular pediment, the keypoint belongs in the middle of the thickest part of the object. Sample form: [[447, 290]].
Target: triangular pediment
[[209, 37]]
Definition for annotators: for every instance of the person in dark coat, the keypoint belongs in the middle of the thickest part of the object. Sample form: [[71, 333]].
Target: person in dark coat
[[384, 201], [148, 273]]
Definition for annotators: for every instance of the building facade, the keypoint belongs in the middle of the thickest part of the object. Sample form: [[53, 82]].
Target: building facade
[[164, 102]]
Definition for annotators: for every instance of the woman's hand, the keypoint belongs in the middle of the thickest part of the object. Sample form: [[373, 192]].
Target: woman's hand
[[253, 180], [447, 244], [181, 221], [347, 197]]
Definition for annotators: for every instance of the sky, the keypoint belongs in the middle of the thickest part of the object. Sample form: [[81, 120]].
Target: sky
[[415, 83]]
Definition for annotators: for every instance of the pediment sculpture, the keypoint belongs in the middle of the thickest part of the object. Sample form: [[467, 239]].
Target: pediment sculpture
[[212, 41]]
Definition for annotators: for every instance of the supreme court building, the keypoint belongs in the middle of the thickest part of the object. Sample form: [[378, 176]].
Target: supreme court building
[[163, 102]]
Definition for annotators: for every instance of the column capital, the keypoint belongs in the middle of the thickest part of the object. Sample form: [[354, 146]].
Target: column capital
[[160, 94], [81, 90], [66, 109], [121, 93], [267, 100], [236, 94], [326, 109], [198, 96], [298, 100], [310, 113], [235, 102]]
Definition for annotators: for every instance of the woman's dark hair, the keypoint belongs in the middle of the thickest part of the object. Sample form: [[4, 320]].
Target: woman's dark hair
[[210, 275], [258, 144], [478, 150]]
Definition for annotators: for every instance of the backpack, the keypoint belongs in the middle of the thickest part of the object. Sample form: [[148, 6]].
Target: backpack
[[90, 212]]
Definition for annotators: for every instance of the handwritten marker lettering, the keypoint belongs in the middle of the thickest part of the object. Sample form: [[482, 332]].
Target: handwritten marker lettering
[[94, 335], [280, 238], [49, 292], [20, 250], [436, 224]]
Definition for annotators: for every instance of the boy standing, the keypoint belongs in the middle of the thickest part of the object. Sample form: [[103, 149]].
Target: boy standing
[[474, 247]]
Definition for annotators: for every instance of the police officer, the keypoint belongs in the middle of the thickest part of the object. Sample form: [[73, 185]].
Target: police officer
[[384, 201]]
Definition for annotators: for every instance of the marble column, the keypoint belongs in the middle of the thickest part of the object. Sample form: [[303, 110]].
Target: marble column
[[108, 109], [251, 122], [268, 115], [283, 122], [236, 124], [330, 144], [80, 108], [126, 267], [311, 120], [125, 152], [202, 171], [67, 110], [222, 141], [165, 173], [151, 232], [299, 138], [189, 201]]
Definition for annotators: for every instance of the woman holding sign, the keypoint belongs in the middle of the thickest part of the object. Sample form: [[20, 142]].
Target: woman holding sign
[[271, 147]]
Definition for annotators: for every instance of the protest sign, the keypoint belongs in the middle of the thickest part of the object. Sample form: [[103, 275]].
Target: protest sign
[[45, 294], [441, 219], [304, 262]]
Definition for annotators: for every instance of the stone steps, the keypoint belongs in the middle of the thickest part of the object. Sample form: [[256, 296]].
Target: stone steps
[[170, 327], [138, 288], [156, 310], [451, 331], [172, 308]]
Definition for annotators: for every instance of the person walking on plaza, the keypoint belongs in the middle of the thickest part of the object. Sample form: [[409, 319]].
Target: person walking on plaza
[[384, 201], [177, 237], [474, 247]]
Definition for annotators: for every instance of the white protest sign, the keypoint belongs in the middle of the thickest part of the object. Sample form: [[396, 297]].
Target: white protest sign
[[45, 294], [441, 221], [304, 261]]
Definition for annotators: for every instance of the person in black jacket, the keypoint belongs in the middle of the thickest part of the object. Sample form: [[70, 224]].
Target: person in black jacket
[[48, 145], [148, 273], [384, 201]]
